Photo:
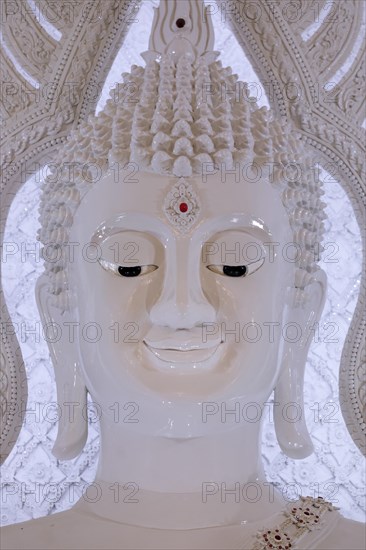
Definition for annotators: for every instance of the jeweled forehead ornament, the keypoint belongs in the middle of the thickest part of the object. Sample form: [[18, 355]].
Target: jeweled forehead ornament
[[182, 206]]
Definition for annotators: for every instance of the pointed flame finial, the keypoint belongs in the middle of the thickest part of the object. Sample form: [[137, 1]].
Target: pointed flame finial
[[182, 28]]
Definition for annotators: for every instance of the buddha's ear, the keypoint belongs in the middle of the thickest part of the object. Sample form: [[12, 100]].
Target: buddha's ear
[[304, 309], [62, 339]]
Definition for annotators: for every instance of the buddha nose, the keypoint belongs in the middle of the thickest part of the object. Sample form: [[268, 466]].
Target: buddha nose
[[171, 313], [182, 303]]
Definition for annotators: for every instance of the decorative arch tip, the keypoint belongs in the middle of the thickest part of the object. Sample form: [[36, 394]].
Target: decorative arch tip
[[181, 28]]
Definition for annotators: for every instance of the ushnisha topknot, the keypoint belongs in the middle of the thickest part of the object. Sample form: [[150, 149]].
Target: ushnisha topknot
[[186, 112]]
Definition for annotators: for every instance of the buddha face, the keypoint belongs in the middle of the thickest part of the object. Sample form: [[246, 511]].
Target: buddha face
[[169, 319]]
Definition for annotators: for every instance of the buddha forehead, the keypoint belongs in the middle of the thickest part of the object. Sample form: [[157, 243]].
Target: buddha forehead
[[220, 197]]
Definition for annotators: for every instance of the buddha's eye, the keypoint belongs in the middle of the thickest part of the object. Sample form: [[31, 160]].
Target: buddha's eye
[[237, 270], [127, 271]]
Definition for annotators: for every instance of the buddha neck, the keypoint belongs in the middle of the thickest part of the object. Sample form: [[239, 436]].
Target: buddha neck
[[181, 465], [183, 483]]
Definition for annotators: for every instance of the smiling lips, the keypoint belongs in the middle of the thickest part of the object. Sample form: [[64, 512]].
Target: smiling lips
[[179, 356], [181, 346]]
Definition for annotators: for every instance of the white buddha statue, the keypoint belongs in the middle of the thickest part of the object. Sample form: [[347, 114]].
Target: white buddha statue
[[171, 273]]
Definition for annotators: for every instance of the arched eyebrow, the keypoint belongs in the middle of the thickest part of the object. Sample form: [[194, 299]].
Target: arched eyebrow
[[133, 222], [155, 226], [237, 222]]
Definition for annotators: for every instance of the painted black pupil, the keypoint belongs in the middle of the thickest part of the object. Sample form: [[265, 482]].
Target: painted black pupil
[[129, 271], [235, 270], [180, 23]]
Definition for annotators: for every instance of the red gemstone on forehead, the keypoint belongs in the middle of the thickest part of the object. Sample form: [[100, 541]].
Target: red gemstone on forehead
[[183, 207]]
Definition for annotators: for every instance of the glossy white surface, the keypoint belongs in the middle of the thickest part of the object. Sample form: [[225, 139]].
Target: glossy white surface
[[176, 320], [127, 448]]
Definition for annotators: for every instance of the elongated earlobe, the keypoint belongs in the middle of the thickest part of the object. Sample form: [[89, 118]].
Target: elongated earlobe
[[289, 414], [71, 391]]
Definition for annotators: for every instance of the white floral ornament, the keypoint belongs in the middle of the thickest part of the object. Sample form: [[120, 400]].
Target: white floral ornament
[[181, 206], [306, 516]]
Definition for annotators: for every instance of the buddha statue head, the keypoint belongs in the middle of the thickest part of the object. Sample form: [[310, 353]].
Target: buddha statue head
[[181, 231]]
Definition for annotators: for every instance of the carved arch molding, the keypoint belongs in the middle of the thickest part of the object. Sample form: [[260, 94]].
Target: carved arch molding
[[71, 71]]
